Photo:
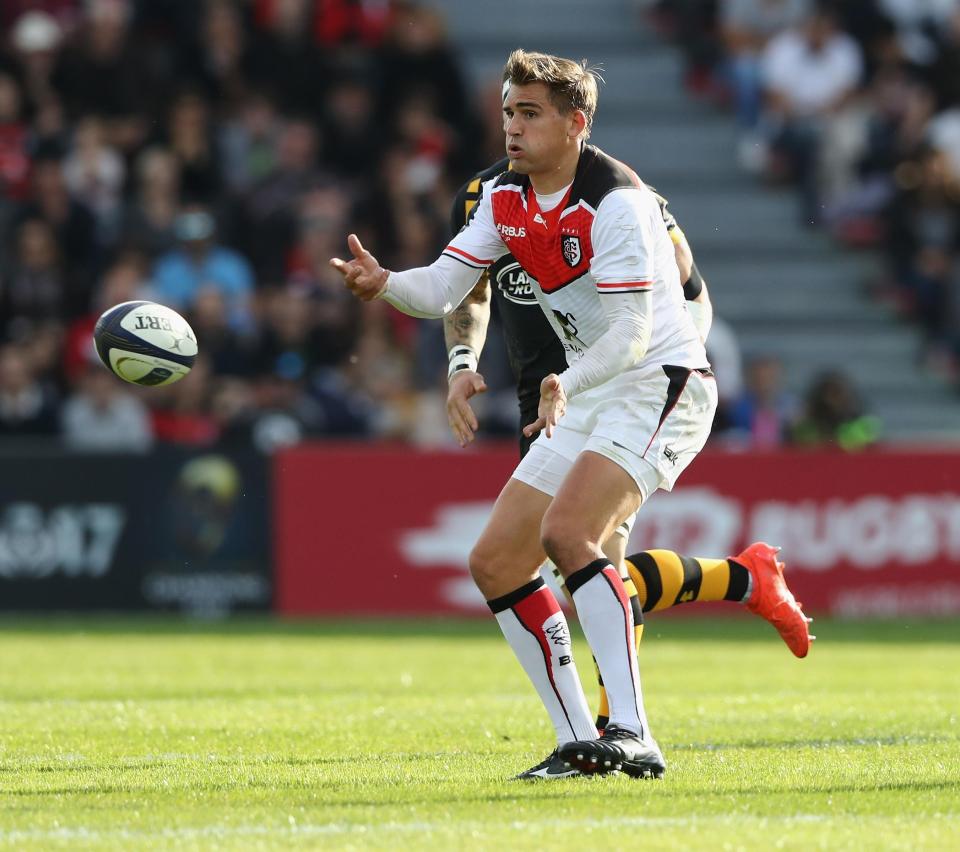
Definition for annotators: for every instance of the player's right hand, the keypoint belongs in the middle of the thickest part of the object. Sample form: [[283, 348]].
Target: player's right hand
[[463, 422], [365, 278], [553, 405]]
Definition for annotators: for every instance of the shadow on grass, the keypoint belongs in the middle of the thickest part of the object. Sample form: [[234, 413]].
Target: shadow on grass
[[738, 627], [818, 743]]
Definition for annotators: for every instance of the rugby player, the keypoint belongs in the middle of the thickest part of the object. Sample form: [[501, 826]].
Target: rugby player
[[636, 399], [655, 579]]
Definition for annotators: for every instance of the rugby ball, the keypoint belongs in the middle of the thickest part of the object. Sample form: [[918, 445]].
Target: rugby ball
[[145, 343]]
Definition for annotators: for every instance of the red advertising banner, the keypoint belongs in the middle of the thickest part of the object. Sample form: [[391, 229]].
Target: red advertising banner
[[363, 529]]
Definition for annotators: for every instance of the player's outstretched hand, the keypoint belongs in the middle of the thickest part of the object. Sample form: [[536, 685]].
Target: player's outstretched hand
[[553, 405], [365, 278], [463, 422]]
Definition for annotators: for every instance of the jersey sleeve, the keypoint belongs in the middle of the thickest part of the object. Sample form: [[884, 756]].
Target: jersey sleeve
[[624, 245], [478, 245]]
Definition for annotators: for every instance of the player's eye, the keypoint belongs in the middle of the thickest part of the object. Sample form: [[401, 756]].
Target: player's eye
[[530, 114]]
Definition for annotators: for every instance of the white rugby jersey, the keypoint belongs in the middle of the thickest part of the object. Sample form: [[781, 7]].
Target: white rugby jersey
[[607, 236]]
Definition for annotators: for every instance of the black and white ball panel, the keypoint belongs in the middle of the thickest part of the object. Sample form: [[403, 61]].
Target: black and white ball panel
[[145, 343]]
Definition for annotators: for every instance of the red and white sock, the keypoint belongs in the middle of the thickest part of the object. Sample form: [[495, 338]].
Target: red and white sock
[[603, 607], [537, 630]]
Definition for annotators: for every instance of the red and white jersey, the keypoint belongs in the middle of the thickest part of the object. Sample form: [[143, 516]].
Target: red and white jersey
[[607, 236]]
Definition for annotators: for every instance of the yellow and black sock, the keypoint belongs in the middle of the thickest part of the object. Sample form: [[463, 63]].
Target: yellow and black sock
[[664, 579]]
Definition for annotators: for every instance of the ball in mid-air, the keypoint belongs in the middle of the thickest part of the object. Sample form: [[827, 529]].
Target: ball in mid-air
[[145, 343]]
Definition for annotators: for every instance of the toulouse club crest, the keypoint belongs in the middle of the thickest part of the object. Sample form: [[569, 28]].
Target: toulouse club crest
[[571, 249]]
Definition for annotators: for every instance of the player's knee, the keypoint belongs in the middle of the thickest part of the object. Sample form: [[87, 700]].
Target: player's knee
[[557, 541], [485, 567], [566, 543]]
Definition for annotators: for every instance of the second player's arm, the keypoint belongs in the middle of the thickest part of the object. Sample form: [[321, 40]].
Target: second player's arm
[[694, 287], [465, 331], [466, 325]]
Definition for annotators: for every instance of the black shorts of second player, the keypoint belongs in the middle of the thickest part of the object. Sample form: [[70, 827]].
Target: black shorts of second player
[[528, 414]]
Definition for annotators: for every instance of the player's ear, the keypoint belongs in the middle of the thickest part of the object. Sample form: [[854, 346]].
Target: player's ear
[[577, 123]]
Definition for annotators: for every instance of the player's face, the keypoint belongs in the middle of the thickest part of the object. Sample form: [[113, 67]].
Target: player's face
[[538, 135]]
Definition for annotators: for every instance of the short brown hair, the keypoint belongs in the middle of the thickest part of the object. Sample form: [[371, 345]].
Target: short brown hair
[[572, 85]]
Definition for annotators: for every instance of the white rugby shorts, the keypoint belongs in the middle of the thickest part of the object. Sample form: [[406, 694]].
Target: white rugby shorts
[[653, 432]]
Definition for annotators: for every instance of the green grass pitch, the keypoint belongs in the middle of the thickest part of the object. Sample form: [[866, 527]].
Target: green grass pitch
[[255, 734]]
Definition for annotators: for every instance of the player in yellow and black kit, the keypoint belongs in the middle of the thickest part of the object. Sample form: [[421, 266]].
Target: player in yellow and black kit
[[655, 579]]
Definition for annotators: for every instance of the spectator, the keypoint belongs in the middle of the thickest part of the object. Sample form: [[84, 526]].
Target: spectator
[[380, 370], [200, 262], [27, 407], [944, 136], [14, 159], [36, 39], [148, 218], [221, 56], [924, 221], [34, 286], [249, 142], [834, 415], [809, 74], [63, 12], [285, 60], [281, 138], [182, 412], [917, 22], [764, 414], [693, 25], [944, 72], [351, 138], [94, 174], [230, 353], [74, 226], [746, 28], [270, 209], [191, 139], [417, 63], [900, 112], [334, 314], [100, 74], [290, 343], [104, 416]]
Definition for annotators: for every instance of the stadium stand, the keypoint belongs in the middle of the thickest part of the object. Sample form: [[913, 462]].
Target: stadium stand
[[212, 156]]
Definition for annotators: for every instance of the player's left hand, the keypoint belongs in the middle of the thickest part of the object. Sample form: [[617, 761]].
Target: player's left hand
[[553, 405], [365, 278], [464, 384]]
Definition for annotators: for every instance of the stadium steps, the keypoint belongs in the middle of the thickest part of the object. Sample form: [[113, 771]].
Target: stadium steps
[[786, 290]]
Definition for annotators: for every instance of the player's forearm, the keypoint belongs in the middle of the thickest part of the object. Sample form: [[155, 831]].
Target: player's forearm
[[467, 324], [430, 291], [694, 287], [682, 253], [621, 346]]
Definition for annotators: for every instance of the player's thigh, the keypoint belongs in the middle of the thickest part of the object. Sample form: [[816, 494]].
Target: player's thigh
[[596, 496], [508, 552]]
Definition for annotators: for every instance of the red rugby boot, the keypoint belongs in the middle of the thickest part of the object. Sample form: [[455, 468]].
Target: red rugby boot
[[772, 600]]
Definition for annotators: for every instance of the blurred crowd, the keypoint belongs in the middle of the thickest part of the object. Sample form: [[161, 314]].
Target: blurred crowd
[[857, 103], [212, 156]]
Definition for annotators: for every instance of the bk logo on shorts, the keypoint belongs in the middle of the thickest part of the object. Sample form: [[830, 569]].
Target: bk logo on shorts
[[571, 249]]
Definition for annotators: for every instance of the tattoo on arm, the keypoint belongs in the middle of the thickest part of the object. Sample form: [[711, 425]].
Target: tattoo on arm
[[467, 323]]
